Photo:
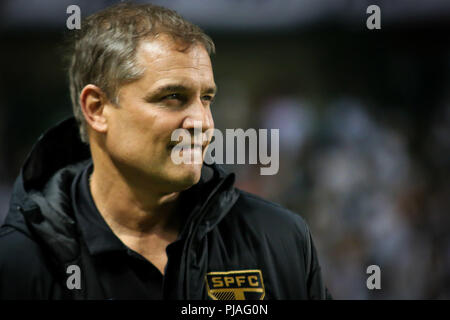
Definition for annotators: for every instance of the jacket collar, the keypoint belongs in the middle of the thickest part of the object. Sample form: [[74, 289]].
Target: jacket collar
[[57, 148], [42, 190], [48, 167]]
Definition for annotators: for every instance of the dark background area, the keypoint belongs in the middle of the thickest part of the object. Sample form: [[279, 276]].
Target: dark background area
[[364, 119]]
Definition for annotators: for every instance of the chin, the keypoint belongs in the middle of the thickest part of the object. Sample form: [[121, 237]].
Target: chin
[[187, 175]]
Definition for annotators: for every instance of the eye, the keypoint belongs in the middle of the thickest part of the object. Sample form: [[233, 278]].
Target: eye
[[173, 96], [208, 98]]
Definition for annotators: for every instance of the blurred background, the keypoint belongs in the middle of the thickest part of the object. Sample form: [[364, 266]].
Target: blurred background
[[364, 119]]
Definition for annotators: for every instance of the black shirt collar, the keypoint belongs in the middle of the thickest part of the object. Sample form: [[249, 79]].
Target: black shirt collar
[[96, 232]]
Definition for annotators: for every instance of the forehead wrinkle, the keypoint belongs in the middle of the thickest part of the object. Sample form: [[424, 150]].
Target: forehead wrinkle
[[184, 75], [152, 52], [187, 67], [163, 66]]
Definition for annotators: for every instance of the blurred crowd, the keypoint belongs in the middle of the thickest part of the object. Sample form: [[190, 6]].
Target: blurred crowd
[[366, 197]]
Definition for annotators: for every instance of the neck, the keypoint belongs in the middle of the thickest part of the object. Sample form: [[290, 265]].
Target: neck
[[132, 208]]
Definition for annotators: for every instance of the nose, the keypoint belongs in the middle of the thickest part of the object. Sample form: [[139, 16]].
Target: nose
[[197, 113]]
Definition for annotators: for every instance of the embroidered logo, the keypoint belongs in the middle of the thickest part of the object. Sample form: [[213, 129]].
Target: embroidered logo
[[235, 285]]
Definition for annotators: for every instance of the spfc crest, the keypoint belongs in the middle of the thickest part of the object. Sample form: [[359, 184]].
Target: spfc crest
[[235, 285]]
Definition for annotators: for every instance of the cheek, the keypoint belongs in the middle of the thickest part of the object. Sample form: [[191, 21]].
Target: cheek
[[129, 132], [129, 128]]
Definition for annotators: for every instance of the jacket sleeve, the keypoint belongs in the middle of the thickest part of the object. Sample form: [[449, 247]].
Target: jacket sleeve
[[315, 285], [23, 273]]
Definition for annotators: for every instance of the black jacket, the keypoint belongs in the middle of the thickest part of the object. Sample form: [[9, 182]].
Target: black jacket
[[235, 242]]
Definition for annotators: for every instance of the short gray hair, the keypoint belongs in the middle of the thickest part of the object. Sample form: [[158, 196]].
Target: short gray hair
[[103, 51]]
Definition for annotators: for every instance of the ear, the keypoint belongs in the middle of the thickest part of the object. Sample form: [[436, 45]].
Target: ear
[[93, 101]]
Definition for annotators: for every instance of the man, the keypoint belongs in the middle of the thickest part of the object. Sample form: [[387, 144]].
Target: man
[[100, 210]]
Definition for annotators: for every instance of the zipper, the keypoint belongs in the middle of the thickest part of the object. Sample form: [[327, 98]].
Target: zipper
[[193, 229]]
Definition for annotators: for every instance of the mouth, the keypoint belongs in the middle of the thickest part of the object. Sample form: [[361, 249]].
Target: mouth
[[181, 146], [190, 148], [188, 153]]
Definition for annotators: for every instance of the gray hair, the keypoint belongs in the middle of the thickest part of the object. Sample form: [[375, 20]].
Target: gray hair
[[103, 51]]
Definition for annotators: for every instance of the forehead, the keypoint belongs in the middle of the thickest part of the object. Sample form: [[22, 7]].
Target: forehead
[[165, 60]]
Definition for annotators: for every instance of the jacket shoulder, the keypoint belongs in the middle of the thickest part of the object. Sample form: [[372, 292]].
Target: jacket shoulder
[[280, 242], [269, 216], [23, 270]]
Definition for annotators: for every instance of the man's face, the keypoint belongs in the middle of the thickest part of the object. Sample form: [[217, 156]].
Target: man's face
[[177, 89]]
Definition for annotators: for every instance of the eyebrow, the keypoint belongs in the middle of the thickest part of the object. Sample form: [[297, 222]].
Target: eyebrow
[[179, 88]]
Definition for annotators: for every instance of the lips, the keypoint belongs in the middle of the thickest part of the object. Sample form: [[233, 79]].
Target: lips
[[187, 147], [179, 145]]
